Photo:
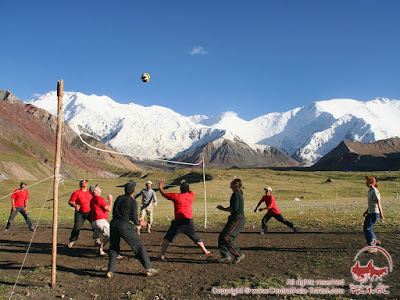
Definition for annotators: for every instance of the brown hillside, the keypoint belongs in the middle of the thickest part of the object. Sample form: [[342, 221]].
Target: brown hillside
[[348, 155], [238, 154], [27, 139]]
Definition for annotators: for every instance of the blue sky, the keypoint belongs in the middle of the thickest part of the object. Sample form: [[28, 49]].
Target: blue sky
[[204, 57]]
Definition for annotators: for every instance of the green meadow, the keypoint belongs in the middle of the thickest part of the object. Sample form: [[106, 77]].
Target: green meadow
[[308, 199]]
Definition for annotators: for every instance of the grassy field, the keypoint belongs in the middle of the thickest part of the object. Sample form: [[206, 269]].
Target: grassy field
[[328, 216], [338, 204]]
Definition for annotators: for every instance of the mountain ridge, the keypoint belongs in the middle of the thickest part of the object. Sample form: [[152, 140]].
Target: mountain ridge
[[27, 145], [305, 133], [355, 156]]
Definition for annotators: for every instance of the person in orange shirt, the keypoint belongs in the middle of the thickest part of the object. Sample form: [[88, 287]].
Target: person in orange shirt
[[19, 200], [273, 211]]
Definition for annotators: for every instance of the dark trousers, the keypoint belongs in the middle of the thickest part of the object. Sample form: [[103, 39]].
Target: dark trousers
[[124, 229], [369, 224], [279, 217], [79, 220], [185, 226], [15, 212], [226, 240]]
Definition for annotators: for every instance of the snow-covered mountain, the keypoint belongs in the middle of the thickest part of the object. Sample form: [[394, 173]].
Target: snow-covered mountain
[[305, 133], [308, 133], [148, 132]]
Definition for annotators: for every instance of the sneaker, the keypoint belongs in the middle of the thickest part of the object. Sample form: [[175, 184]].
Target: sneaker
[[120, 256], [32, 229], [151, 272], [109, 275], [378, 243], [101, 252], [148, 230], [238, 258], [71, 244], [294, 229], [224, 258]]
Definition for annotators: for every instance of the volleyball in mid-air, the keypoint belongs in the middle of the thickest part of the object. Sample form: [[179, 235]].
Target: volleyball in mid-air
[[145, 77]]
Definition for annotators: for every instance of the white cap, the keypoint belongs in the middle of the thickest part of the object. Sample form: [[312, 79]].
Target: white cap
[[268, 188], [149, 182]]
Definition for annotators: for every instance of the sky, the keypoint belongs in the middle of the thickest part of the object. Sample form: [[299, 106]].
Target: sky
[[204, 57]]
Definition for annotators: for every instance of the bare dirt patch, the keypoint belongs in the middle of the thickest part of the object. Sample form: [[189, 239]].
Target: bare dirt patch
[[271, 260]]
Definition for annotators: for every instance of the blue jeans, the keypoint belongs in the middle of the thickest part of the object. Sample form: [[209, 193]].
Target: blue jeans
[[369, 224]]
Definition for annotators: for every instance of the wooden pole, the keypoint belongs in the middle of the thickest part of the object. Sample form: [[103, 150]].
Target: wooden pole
[[205, 193], [60, 86]]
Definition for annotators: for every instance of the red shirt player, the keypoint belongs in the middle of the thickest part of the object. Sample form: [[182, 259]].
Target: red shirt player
[[183, 222], [19, 199], [273, 211], [100, 208], [80, 200]]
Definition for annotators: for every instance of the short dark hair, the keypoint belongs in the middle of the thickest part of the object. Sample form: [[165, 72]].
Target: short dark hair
[[185, 187]]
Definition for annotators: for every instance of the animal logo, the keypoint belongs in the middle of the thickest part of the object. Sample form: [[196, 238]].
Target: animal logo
[[369, 272]]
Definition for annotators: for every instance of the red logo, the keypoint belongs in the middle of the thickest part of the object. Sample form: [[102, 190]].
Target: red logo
[[369, 272], [361, 272]]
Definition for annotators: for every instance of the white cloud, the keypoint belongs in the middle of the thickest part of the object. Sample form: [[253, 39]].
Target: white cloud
[[198, 50]]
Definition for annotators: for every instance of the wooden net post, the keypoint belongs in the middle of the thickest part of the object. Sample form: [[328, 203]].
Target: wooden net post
[[60, 86]]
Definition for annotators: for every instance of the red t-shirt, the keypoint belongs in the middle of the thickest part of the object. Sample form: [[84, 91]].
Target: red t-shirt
[[182, 203], [270, 201], [83, 199], [19, 197], [97, 207]]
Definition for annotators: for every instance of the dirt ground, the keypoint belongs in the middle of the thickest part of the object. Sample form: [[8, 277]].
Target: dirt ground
[[275, 260]]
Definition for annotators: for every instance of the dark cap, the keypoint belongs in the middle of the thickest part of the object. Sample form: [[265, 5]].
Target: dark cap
[[129, 187], [22, 183], [92, 187], [80, 182]]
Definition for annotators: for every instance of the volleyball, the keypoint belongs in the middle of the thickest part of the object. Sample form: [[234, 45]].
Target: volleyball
[[145, 77]]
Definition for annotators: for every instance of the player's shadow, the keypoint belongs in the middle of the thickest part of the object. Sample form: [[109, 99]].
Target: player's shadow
[[300, 232], [22, 246], [3, 282], [94, 273], [171, 259], [7, 265], [81, 272], [295, 250]]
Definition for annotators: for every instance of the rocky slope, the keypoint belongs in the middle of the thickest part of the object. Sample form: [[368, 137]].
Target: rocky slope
[[27, 145], [355, 156]]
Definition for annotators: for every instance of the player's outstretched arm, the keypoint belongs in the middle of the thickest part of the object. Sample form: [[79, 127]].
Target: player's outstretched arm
[[161, 187]]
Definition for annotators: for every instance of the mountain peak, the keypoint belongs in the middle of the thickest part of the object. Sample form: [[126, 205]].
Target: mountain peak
[[306, 133], [6, 95]]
